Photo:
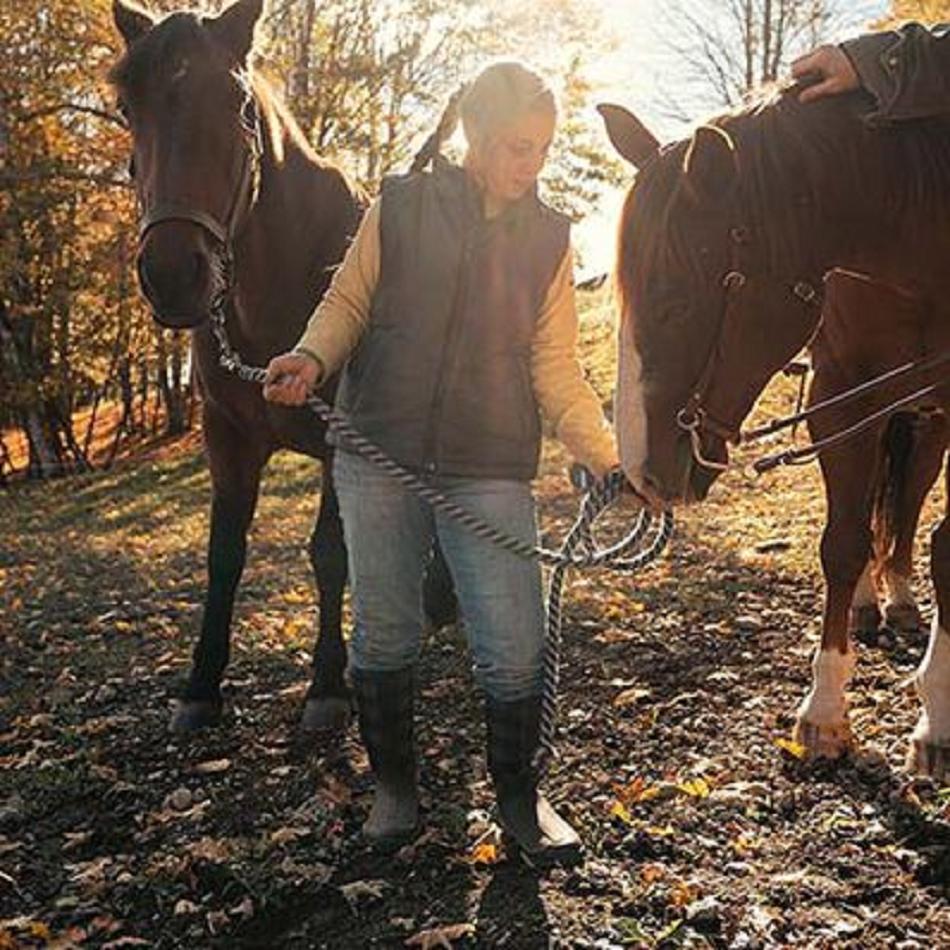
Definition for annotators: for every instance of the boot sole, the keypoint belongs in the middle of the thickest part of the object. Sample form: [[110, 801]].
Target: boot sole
[[388, 844], [565, 857]]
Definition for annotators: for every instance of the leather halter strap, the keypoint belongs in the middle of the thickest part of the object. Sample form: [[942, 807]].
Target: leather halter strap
[[695, 417]]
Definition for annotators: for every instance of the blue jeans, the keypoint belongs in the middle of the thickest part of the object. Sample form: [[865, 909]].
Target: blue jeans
[[389, 534]]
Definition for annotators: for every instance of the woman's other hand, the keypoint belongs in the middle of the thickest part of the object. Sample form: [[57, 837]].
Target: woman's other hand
[[834, 70], [290, 378]]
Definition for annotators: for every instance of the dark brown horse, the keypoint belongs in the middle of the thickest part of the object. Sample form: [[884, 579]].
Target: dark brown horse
[[725, 241], [221, 171]]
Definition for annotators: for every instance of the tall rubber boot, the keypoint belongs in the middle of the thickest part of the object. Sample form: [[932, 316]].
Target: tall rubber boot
[[527, 818], [384, 702]]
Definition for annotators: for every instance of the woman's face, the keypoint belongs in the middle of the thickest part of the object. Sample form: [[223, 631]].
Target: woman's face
[[508, 164]]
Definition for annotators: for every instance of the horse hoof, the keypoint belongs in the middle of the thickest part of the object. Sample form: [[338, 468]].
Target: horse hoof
[[193, 715], [864, 619], [929, 755], [823, 740], [904, 618], [326, 714]]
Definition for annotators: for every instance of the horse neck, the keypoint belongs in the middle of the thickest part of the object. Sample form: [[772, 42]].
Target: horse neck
[[809, 214], [293, 236]]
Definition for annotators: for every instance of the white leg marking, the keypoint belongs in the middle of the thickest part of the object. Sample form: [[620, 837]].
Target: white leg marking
[[933, 687], [826, 704]]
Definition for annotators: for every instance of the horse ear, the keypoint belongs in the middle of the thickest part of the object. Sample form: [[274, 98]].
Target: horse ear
[[131, 21], [629, 136], [234, 28], [710, 165]]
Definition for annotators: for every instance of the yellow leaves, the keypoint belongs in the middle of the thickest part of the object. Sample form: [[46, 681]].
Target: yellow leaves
[[794, 749], [619, 810], [744, 844], [639, 791], [636, 791], [695, 788], [441, 938], [299, 596], [650, 873], [682, 894]]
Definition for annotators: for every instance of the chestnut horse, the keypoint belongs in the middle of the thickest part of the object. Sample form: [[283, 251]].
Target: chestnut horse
[[725, 240]]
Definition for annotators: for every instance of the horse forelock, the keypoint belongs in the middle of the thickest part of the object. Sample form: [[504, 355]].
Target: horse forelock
[[651, 237]]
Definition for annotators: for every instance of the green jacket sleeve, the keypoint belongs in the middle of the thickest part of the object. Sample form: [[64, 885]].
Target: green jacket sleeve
[[906, 70]]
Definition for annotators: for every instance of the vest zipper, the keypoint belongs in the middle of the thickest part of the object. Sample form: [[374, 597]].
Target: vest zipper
[[430, 465]]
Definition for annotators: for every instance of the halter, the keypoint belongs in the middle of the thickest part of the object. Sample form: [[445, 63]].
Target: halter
[[245, 193], [695, 418]]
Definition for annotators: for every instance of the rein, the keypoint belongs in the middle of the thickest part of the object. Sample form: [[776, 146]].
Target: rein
[[642, 545]]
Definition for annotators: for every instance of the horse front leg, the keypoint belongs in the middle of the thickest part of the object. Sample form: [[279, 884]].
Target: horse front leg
[[930, 743], [328, 707], [822, 725], [235, 481]]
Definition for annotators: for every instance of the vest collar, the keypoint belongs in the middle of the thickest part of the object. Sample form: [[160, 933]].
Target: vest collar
[[456, 184]]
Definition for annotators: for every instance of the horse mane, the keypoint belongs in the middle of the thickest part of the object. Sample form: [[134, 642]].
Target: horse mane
[[155, 56], [795, 162]]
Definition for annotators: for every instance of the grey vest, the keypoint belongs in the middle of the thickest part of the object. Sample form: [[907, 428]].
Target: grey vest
[[441, 378]]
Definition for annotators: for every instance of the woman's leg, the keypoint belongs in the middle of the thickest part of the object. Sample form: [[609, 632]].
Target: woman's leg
[[388, 536], [501, 600]]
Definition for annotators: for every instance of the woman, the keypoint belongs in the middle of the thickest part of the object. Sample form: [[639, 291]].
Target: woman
[[455, 309]]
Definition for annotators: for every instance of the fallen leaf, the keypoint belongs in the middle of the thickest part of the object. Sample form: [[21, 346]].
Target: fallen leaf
[[213, 766], [630, 696], [485, 853], [286, 835], [794, 749], [440, 937], [695, 788], [358, 891]]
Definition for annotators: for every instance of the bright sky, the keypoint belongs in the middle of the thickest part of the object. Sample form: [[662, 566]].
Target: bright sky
[[637, 75]]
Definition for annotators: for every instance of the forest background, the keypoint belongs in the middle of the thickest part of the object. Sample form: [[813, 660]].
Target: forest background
[[85, 375]]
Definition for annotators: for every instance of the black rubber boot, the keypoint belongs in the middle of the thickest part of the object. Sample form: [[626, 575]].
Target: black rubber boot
[[528, 820], [384, 701]]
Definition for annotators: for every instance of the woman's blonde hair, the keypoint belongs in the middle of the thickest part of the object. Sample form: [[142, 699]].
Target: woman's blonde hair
[[499, 95]]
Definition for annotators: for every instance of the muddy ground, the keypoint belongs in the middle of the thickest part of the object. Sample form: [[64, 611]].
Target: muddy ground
[[679, 688]]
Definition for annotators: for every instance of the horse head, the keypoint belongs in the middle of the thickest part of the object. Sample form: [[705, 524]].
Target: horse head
[[183, 87], [705, 322]]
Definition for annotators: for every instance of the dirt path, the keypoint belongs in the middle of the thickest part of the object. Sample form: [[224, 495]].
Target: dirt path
[[702, 831]]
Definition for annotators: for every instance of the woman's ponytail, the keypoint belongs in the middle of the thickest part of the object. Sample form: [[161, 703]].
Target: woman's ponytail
[[443, 131]]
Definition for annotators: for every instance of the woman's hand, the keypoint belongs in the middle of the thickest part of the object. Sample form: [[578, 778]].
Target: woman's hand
[[290, 378], [834, 69]]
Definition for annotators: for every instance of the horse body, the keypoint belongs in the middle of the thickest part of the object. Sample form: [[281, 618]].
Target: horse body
[[724, 245], [233, 195]]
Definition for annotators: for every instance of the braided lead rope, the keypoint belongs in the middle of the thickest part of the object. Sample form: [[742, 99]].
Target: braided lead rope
[[599, 497]]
